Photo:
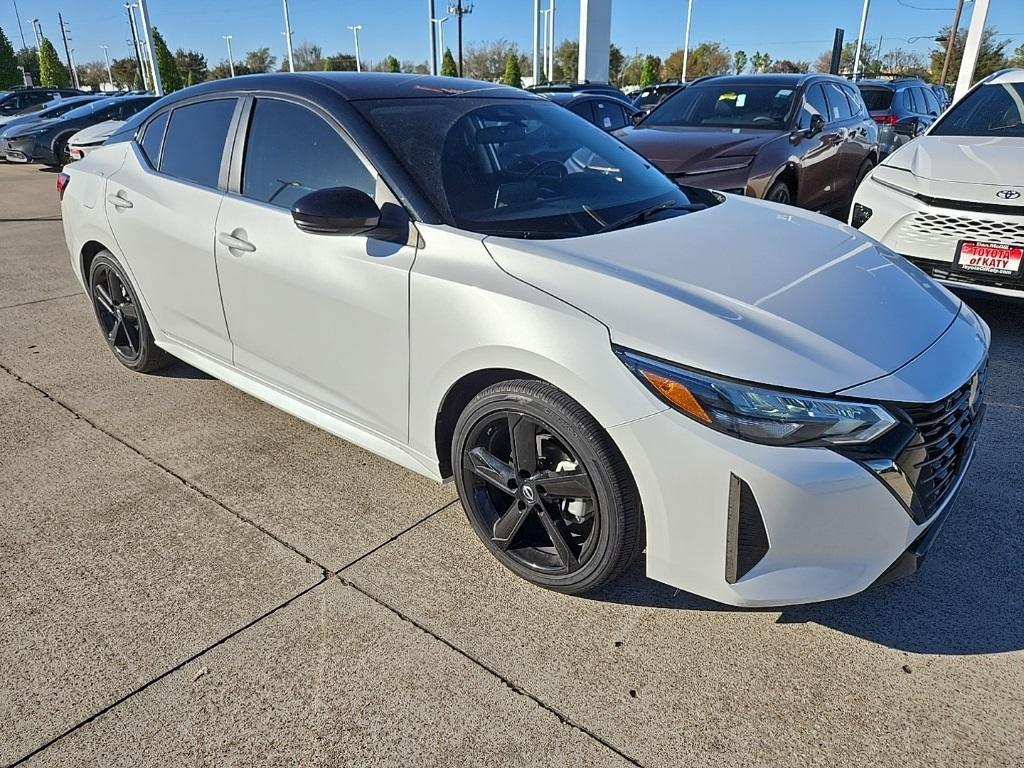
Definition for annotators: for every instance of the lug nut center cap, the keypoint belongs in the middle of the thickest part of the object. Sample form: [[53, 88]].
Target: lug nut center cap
[[528, 493]]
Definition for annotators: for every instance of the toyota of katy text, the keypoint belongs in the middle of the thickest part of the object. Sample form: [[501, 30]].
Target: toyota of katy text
[[603, 361], [952, 201]]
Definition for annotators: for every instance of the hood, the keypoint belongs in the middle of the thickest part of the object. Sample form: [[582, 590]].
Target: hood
[[747, 289], [15, 127], [675, 150], [964, 159], [97, 132]]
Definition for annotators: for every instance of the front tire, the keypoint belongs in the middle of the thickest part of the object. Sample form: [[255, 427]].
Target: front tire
[[545, 488], [121, 319], [779, 192]]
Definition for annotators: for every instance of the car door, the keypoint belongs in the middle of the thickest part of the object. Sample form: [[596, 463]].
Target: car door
[[162, 207], [845, 123], [324, 317], [862, 139], [931, 106], [818, 152], [609, 115]]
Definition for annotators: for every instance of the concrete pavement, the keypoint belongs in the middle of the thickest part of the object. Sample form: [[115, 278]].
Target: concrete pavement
[[189, 577]]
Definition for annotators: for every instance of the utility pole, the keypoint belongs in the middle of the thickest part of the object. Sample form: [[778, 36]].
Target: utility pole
[[38, 29], [18, 17], [686, 40], [860, 40], [137, 45], [951, 41], [67, 50], [433, 41], [231, 59], [460, 9], [147, 33], [106, 59], [536, 42], [355, 34], [288, 37]]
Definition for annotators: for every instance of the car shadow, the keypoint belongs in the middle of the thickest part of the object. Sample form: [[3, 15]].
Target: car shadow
[[180, 370], [968, 598]]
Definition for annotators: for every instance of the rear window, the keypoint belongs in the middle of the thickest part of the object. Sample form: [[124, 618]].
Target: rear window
[[876, 99]]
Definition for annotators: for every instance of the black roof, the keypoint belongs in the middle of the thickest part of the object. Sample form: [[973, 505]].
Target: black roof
[[895, 83], [793, 79], [565, 98]]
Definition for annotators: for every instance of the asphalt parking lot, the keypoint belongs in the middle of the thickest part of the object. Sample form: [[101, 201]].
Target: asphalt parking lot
[[189, 577]]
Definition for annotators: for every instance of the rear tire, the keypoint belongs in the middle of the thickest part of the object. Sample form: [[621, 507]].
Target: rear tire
[[121, 319], [545, 488]]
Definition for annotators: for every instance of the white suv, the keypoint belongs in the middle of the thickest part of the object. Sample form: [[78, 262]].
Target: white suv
[[953, 201]]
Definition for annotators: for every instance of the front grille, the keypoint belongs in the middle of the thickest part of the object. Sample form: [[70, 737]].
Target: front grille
[[970, 205], [931, 228], [936, 457]]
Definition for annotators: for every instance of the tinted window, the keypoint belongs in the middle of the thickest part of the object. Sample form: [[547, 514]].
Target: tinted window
[[195, 141], [291, 151], [609, 115], [877, 99], [583, 110], [151, 140], [931, 104], [838, 104], [910, 100], [128, 107], [853, 95], [753, 105], [814, 104], [992, 110]]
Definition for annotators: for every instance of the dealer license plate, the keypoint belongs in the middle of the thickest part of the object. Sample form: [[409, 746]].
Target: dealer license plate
[[989, 258]]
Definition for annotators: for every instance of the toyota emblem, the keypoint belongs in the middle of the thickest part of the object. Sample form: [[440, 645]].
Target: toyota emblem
[[1008, 194]]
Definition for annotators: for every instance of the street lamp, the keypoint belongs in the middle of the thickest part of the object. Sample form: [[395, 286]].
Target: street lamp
[[288, 37], [106, 58], [231, 59], [355, 34], [440, 33], [686, 41]]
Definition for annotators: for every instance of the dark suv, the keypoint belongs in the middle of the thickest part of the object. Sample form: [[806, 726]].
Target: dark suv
[[22, 98], [806, 140], [902, 108]]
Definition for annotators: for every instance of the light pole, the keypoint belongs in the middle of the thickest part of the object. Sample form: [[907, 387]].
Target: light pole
[[686, 40], [440, 33], [38, 29], [972, 47], [536, 42], [355, 35], [551, 40], [544, 24], [147, 32], [22, 31], [231, 59], [106, 59], [860, 39], [130, 7], [433, 42], [288, 37]]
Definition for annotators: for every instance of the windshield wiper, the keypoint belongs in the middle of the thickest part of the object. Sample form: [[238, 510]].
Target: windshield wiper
[[641, 216]]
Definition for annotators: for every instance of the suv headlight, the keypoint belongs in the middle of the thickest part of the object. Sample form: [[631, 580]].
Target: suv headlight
[[760, 414]]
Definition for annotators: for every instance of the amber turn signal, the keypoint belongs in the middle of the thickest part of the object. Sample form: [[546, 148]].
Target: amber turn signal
[[677, 394]]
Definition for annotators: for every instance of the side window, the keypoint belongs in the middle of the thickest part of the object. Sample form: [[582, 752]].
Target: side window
[[152, 138], [910, 101], [609, 116], [291, 150], [195, 141], [931, 104], [814, 104], [856, 102], [838, 104], [584, 110]]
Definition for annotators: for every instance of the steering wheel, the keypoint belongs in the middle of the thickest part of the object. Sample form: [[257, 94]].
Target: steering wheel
[[540, 167]]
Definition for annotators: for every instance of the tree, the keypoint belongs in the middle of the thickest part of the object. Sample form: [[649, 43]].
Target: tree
[[648, 74], [391, 64], [1017, 59], [9, 74], [307, 57], [191, 64], [28, 60], [448, 68], [487, 61], [633, 68], [870, 64], [739, 62], [900, 62], [51, 71], [616, 62], [705, 59], [170, 77], [789, 66], [340, 62], [93, 73], [567, 61], [760, 62], [258, 61], [125, 72], [513, 76], [991, 56]]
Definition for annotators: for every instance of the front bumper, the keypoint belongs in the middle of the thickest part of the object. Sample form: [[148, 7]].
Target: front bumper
[[18, 150], [928, 235]]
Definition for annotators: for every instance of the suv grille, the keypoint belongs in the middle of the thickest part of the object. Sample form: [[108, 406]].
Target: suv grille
[[945, 435], [940, 229]]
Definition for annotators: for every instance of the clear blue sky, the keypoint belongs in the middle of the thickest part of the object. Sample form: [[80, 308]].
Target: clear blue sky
[[794, 29]]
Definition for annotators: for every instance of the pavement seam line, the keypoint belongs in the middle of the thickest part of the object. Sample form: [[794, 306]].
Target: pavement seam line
[[184, 481], [172, 670], [41, 301], [514, 687]]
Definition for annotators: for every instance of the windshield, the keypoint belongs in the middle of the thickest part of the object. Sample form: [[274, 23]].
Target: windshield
[[727, 106], [520, 168], [992, 110], [61, 107], [89, 108]]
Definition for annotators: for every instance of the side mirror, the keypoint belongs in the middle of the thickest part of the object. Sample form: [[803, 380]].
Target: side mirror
[[817, 125], [638, 117], [336, 211]]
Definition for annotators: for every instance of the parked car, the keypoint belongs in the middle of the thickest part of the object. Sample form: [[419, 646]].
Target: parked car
[[805, 140], [942, 94], [903, 109], [87, 139], [953, 201], [19, 99], [44, 111], [580, 87], [652, 95], [575, 343], [604, 111], [46, 142]]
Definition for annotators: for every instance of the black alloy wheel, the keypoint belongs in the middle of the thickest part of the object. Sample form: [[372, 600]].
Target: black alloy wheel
[[120, 317], [780, 193], [557, 508]]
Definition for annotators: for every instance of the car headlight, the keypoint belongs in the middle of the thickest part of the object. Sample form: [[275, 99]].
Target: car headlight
[[760, 414], [722, 165]]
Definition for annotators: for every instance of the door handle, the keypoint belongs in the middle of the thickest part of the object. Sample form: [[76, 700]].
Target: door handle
[[119, 202], [233, 243]]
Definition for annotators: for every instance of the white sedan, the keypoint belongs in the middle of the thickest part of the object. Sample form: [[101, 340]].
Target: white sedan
[[477, 284], [88, 139], [952, 201]]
